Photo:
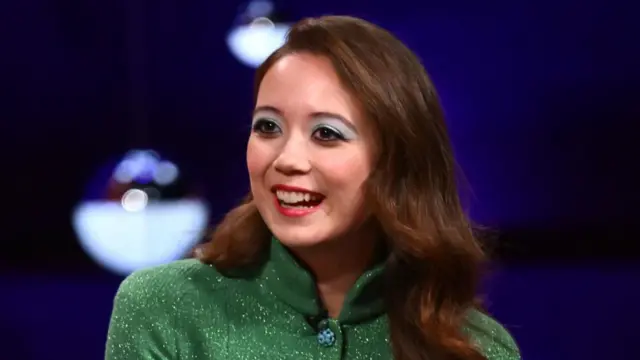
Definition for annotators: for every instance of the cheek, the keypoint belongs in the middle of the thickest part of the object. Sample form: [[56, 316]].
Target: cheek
[[345, 178], [347, 173], [257, 158]]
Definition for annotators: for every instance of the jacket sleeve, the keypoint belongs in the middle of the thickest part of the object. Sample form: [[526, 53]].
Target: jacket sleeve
[[142, 326], [491, 338]]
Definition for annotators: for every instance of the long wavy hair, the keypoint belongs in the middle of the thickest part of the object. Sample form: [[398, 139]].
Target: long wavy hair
[[434, 262]]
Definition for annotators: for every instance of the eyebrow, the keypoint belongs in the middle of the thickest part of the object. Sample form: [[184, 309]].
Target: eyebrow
[[315, 115]]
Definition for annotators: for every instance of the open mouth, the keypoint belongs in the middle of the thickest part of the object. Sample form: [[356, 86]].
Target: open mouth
[[298, 200]]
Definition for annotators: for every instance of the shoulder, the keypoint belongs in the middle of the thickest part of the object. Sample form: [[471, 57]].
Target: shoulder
[[149, 307], [491, 337], [169, 282]]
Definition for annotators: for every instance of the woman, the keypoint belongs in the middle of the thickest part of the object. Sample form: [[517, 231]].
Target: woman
[[352, 243]]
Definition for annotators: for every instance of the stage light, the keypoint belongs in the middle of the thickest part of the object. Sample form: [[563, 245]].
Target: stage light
[[142, 217], [259, 31]]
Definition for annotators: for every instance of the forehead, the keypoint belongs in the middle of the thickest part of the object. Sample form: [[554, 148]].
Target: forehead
[[304, 83]]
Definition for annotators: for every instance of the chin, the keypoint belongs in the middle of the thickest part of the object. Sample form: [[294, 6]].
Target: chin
[[300, 237]]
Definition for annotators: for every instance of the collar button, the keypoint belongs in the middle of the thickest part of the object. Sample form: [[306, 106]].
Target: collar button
[[326, 338]]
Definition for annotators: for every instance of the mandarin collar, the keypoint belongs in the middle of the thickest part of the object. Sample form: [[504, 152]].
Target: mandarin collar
[[293, 284]]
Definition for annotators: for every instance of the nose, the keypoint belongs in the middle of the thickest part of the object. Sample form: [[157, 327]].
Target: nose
[[293, 160]]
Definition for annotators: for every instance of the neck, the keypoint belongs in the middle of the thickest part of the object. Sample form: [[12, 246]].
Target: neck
[[336, 265]]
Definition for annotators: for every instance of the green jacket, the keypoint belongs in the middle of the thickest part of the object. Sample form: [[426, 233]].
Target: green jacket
[[188, 310]]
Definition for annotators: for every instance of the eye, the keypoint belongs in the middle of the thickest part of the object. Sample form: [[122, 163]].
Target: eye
[[325, 133], [266, 127]]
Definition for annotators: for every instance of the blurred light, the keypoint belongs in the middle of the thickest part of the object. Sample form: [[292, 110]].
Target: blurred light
[[124, 241], [257, 9], [134, 200], [145, 219], [165, 173], [152, 193], [145, 166], [258, 35]]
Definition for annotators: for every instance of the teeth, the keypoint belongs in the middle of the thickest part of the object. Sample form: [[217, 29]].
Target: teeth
[[294, 197]]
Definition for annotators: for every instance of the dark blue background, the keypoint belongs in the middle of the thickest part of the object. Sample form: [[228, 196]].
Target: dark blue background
[[541, 96]]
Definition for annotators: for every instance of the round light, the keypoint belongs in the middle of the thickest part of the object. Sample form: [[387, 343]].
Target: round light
[[165, 173], [134, 200], [253, 43], [123, 241], [139, 216]]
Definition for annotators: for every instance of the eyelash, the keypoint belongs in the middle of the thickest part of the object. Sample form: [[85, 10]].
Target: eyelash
[[333, 133], [259, 128]]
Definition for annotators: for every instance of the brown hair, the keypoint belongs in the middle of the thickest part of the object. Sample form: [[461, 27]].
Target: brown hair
[[433, 266]]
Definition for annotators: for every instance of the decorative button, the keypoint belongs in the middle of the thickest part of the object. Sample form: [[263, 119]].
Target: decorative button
[[326, 338]]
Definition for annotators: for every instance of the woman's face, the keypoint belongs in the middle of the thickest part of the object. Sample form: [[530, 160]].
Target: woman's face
[[309, 153]]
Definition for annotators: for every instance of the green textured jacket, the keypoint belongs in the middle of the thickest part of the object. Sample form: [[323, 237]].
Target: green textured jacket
[[188, 310]]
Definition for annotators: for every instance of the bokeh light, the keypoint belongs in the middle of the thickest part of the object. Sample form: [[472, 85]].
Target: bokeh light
[[143, 216]]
